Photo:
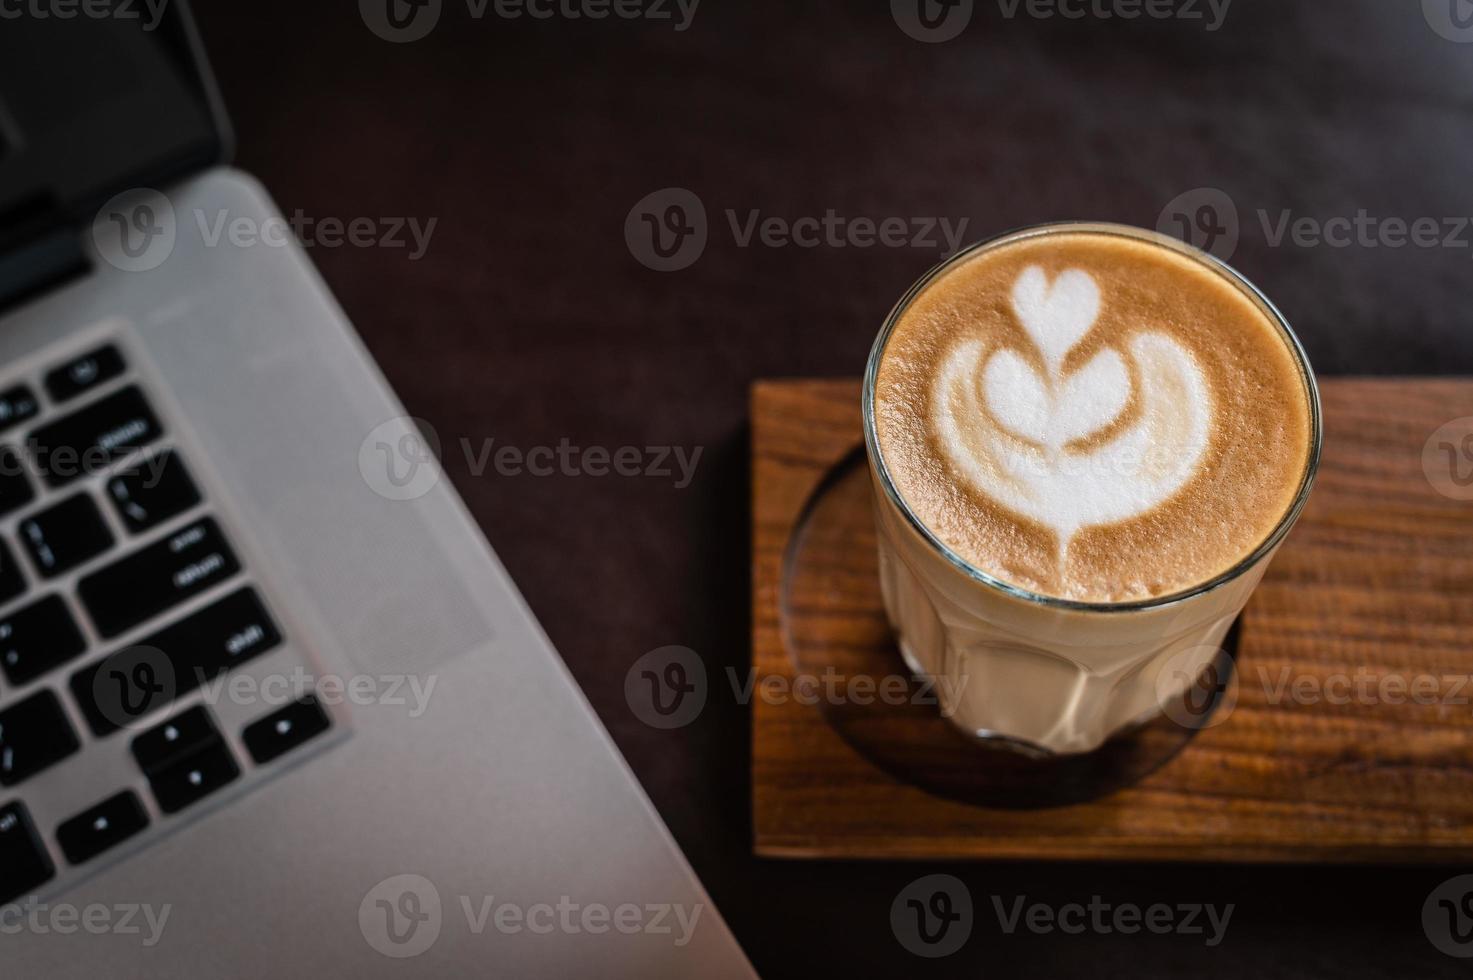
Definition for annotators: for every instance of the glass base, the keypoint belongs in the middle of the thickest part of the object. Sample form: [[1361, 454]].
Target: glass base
[[845, 655]]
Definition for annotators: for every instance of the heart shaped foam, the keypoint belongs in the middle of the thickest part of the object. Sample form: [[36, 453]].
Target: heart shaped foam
[[1057, 315], [1079, 405]]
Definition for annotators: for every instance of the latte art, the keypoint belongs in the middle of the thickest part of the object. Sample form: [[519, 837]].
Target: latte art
[[1027, 439], [1091, 415]]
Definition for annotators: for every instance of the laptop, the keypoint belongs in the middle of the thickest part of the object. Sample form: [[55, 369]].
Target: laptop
[[269, 705]]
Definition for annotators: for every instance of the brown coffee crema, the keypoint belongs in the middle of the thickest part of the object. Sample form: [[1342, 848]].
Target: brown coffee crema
[[1091, 416]]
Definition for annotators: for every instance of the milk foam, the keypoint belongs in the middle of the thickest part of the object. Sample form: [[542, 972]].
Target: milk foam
[[1013, 433], [1093, 415]]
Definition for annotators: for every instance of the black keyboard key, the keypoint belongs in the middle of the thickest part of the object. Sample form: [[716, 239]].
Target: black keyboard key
[[84, 373], [102, 827], [38, 638], [17, 405], [95, 437], [280, 732], [174, 661], [194, 777], [34, 735], [182, 735], [15, 486], [184, 759], [12, 582], [218, 638], [150, 493], [164, 574], [65, 536], [24, 863]]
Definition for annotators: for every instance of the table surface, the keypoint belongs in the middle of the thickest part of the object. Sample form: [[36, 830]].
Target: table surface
[[528, 321]]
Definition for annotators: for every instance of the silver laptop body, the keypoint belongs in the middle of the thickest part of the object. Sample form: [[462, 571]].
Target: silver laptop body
[[455, 810]]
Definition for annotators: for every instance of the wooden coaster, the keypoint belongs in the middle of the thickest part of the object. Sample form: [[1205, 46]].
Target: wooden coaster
[[1348, 736]]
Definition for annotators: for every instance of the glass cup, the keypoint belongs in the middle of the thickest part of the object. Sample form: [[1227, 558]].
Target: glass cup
[[1045, 675]]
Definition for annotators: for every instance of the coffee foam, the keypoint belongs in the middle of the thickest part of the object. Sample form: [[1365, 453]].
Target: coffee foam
[[1092, 417]]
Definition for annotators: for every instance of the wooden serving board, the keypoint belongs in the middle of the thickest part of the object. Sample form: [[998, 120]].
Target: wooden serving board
[[1373, 588]]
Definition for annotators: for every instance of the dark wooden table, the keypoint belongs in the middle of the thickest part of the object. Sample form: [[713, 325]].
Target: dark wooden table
[[529, 321]]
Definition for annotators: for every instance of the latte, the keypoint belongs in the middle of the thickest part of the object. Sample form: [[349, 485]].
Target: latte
[[1093, 416]]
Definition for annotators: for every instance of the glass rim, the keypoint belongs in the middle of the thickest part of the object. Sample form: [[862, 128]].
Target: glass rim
[[1239, 568]]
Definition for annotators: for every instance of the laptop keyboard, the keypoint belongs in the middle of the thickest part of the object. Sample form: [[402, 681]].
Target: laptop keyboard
[[89, 563]]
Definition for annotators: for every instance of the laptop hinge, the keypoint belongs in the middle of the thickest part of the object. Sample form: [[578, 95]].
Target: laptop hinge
[[39, 249]]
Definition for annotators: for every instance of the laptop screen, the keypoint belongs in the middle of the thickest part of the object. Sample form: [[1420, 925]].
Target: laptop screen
[[110, 97]]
